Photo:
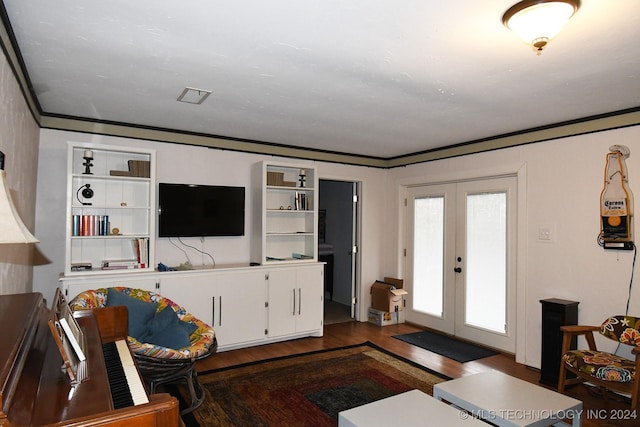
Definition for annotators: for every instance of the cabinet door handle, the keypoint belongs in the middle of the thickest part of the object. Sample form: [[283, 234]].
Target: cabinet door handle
[[213, 311], [299, 300], [294, 301], [220, 314]]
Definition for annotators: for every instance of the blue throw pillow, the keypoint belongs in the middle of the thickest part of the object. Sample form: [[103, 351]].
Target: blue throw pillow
[[167, 330], [188, 327], [140, 312]]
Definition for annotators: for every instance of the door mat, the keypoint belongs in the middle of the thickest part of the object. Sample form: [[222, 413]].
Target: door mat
[[306, 389], [446, 346]]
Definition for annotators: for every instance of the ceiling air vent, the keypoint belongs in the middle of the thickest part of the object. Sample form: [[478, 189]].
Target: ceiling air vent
[[193, 96]]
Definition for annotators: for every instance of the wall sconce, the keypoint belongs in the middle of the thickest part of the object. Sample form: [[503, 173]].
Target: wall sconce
[[538, 21], [12, 229]]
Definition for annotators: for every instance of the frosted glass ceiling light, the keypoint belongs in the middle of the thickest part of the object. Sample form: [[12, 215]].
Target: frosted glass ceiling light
[[12, 230], [538, 21]]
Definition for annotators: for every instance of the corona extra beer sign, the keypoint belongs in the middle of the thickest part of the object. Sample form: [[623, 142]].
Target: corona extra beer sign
[[616, 202]]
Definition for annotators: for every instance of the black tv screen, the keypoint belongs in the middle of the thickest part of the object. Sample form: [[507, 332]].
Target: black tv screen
[[186, 210]]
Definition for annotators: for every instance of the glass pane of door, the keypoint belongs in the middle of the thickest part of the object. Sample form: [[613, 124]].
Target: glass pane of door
[[428, 274], [460, 259], [486, 245]]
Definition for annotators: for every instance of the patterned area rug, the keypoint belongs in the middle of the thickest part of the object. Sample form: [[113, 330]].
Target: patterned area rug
[[308, 389]]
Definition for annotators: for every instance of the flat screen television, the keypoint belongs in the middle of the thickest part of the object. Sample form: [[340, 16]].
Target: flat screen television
[[186, 210]]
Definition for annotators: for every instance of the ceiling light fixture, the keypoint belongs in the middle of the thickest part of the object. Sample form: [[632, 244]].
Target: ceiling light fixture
[[12, 229], [538, 21], [192, 95]]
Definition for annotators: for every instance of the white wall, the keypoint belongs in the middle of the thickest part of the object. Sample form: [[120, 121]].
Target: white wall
[[19, 143], [564, 179], [189, 164]]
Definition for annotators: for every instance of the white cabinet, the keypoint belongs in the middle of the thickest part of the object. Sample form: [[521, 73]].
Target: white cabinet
[[285, 218], [296, 301], [194, 291], [110, 209], [233, 302], [240, 315], [246, 305], [251, 305], [72, 286]]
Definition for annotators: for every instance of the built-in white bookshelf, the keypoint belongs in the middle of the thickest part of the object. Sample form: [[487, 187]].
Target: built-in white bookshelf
[[110, 219], [286, 213]]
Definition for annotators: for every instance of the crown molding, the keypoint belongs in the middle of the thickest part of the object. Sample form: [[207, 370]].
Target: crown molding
[[600, 123], [232, 144], [562, 130]]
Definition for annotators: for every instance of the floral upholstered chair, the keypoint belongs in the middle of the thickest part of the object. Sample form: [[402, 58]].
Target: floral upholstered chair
[[604, 369], [164, 338]]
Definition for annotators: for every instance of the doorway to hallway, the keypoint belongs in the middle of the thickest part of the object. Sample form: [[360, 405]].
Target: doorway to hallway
[[337, 247]]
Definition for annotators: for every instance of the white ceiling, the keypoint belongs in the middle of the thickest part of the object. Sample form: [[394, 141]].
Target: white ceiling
[[381, 78]]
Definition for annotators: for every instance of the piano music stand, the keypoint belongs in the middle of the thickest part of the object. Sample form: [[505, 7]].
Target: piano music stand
[[68, 339]]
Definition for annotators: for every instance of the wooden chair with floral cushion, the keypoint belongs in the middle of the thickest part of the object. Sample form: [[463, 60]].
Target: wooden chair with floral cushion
[[164, 338], [604, 369]]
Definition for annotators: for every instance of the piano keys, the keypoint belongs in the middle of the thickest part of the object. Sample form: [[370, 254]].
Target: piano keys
[[124, 381], [36, 391], [134, 382]]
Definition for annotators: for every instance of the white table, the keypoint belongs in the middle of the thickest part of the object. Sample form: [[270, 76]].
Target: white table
[[507, 401], [413, 408]]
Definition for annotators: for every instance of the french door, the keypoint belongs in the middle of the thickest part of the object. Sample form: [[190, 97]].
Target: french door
[[460, 259]]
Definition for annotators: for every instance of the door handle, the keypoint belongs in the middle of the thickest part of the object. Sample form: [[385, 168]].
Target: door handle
[[458, 269]]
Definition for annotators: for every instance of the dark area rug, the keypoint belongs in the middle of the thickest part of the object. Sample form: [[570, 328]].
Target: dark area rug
[[306, 390], [446, 346]]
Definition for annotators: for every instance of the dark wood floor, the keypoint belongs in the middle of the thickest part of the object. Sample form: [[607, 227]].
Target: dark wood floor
[[600, 409]]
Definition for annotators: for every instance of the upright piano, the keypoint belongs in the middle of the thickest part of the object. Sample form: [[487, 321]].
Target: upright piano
[[37, 391]]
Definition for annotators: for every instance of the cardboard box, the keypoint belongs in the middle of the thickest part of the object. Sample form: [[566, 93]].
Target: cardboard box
[[388, 295], [384, 318], [398, 283]]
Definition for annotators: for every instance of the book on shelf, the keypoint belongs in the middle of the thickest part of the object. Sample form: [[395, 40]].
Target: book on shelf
[[301, 201], [81, 266], [120, 264], [90, 225], [120, 267], [141, 251], [117, 262]]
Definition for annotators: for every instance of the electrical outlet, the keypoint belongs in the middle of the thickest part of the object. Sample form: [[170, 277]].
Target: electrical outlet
[[544, 233]]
